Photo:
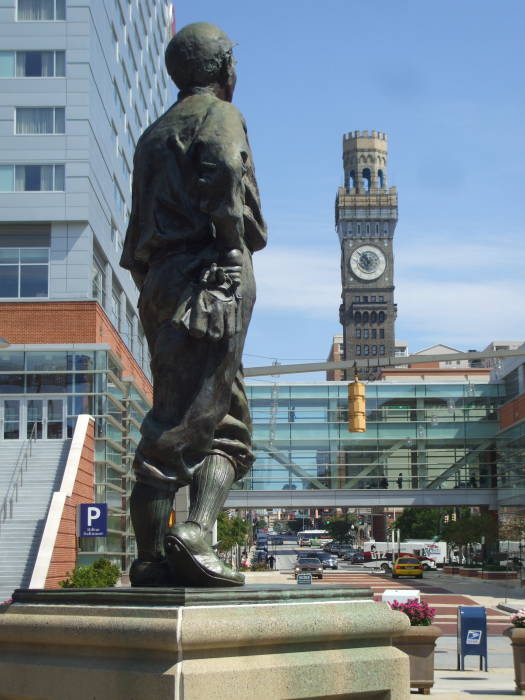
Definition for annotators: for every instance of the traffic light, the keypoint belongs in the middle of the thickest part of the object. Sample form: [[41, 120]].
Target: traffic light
[[356, 406]]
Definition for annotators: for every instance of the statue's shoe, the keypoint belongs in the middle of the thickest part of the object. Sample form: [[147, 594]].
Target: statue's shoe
[[188, 552], [150, 573]]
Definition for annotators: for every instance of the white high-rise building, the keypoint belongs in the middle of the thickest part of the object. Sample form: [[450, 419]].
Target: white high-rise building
[[79, 82]]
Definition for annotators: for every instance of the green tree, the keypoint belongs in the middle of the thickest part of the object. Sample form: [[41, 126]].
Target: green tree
[[231, 532], [472, 529], [420, 523], [339, 528], [295, 525], [101, 574]]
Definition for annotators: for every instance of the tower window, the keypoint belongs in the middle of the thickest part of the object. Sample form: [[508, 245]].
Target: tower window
[[374, 349], [358, 228], [372, 298], [373, 333], [373, 316], [365, 316], [366, 350], [377, 228], [357, 349], [381, 332], [381, 316], [381, 349], [365, 333], [367, 177], [357, 317], [381, 299], [357, 299], [357, 332], [368, 228]]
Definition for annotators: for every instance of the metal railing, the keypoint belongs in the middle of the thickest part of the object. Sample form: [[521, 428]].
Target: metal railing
[[17, 477]]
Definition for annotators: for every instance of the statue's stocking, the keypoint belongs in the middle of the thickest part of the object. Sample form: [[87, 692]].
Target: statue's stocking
[[209, 490]]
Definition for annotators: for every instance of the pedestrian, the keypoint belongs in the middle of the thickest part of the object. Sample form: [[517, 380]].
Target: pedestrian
[[384, 483], [271, 561], [400, 481]]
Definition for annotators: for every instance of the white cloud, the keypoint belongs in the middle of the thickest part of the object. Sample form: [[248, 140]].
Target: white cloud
[[301, 281], [466, 295]]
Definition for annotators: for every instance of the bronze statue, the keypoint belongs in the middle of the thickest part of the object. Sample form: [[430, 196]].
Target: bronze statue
[[194, 224]]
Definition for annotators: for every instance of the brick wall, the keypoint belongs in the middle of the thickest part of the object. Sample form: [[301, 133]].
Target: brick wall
[[65, 551], [68, 322], [512, 412]]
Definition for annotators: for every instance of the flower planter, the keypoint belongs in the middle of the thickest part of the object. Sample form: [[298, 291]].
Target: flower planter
[[498, 575], [419, 642], [517, 638], [472, 573], [451, 569]]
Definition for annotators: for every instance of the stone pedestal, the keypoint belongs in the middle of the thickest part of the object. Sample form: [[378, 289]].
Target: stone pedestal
[[257, 642]]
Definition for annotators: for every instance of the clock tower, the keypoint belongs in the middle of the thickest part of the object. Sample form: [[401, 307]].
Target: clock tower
[[366, 216]]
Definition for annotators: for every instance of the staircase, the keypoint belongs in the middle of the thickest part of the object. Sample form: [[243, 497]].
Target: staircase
[[20, 535]]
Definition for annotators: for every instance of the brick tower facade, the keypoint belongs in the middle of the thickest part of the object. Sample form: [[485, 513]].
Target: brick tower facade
[[366, 216]]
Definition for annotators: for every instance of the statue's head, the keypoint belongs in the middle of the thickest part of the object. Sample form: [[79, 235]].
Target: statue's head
[[200, 55]]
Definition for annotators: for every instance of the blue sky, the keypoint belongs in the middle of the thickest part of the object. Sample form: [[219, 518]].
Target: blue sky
[[445, 81]]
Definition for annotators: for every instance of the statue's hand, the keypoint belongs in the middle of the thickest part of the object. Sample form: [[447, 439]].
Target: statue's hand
[[231, 264]]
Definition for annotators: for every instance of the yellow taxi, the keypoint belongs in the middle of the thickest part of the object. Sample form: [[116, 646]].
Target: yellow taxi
[[407, 566]]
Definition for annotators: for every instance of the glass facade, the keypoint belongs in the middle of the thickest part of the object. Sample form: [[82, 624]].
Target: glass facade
[[418, 436], [42, 393]]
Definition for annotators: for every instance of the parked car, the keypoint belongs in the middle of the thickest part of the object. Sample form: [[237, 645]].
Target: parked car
[[309, 565], [354, 557], [276, 539], [328, 560], [427, 563], [346, 549], [407, 566]]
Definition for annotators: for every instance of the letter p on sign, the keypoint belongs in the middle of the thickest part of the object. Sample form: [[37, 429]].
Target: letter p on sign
[[92, 520]]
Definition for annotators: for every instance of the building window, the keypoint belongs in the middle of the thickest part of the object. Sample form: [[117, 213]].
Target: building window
[[358, 228], [373, 333], [39, 10], [357, 349], [357, 299], [366, 350], [24, 272], [381, 349], [381, 332], [129, 329], [368, 228], [381, 317], [32, 64], [381, 299], [357, 332], [372, 299], [377, 228], [32, 178], [365, 333], [119, 199], [98, 286], [40, 120], [115, 309], [374, 349]]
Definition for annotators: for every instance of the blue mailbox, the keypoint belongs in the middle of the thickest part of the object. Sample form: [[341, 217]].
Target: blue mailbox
[[472, 634]]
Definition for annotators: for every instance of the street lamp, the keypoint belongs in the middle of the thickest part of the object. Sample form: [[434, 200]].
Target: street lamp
[[4, 343]]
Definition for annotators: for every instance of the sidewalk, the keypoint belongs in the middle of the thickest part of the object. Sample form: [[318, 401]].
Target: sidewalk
[[453, 685]]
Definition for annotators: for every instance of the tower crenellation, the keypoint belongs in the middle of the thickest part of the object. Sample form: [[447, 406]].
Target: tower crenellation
[[366, 217]]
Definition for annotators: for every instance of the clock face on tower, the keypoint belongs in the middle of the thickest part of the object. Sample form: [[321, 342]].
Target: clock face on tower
[[367, 262]]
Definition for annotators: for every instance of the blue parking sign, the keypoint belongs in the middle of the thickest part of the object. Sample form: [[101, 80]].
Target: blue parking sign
[[93, 520]]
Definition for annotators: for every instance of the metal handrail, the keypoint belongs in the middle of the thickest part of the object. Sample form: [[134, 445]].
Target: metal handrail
[[17, 477]]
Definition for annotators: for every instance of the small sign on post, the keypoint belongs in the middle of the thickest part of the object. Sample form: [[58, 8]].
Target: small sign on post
[[92, 520], [304, 578]]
